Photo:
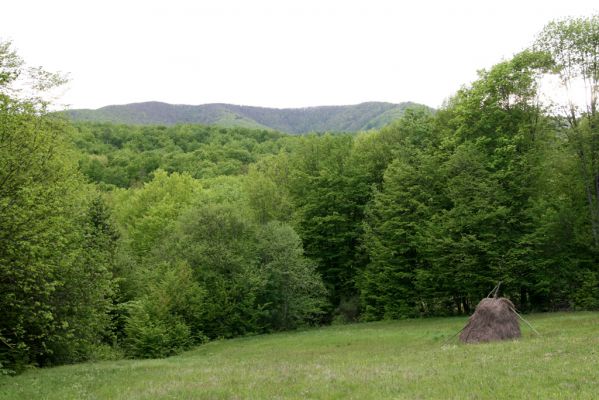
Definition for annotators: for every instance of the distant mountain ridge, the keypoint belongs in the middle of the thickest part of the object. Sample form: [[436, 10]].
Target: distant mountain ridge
[[351, 118]]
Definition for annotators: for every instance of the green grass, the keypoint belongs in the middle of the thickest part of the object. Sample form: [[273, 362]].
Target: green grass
[[388, 360]]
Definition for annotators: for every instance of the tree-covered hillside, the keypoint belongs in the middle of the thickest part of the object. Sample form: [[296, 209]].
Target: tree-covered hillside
[[354, 118], [127, 155]]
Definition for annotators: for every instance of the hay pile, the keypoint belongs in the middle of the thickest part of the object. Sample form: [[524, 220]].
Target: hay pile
[[493, 319]]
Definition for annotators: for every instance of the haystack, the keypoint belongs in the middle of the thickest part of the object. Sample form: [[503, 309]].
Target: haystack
[[493, 319]]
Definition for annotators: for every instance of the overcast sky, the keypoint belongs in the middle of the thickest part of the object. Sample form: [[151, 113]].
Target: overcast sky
[[272, 53]]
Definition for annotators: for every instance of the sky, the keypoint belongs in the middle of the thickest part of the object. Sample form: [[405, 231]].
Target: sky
[[272, 53]]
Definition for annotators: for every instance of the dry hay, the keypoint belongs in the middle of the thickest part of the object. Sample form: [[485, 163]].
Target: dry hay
[[493, 319]]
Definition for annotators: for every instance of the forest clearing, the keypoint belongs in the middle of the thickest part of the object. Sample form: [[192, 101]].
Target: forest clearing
[[409, 359], [152, 250]]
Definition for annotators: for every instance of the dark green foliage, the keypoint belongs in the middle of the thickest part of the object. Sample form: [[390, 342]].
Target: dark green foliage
[[465, 205], [327, 198], [394, 222], [154, 336], [329, 180], [352, 118]]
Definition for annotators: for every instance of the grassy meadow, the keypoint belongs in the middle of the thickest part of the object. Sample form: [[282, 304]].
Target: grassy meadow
[[411, 359]]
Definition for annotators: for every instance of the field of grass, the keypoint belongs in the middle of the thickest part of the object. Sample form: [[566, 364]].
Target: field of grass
[[387, 360]]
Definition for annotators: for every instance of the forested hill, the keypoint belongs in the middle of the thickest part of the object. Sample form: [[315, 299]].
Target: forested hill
[[350, 118]]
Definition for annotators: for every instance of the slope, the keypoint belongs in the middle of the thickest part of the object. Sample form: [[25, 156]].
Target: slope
[[350, 118], [384, 360]]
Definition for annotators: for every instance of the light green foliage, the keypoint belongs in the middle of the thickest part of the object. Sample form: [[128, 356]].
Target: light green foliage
[[10, 67], [126, 156], [293, 293], [268, 200], [255, 276], [383, 360], [148, 214], [167, 318], [245, 277], [372, 152], [53, 295], [572, 45]]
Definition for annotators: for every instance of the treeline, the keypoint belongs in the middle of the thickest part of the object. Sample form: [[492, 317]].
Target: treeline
[[142, 241]]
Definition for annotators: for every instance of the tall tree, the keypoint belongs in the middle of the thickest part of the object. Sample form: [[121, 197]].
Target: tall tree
[[44, 217], [394, 222], [452, 217], [496, 131], [327, 208], [573, 44]]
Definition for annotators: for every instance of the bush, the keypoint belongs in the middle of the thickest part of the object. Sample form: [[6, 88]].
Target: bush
[[149, 337], [167, 319], [294, 294], [5, 371], [348, 311], [586, 296]]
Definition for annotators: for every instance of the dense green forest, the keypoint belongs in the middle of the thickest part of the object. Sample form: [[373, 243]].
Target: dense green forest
[[352, 118], [141, 241]]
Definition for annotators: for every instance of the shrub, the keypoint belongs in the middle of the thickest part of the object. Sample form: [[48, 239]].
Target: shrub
[[149, 337], [166, 320]]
